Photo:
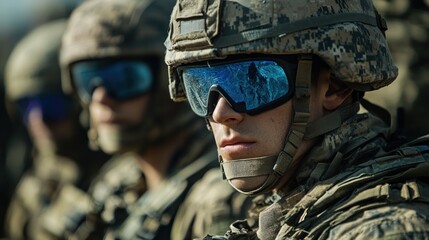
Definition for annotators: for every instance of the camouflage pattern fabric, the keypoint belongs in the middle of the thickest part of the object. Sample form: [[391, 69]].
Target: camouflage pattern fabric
[[359, 189], [408, 38], [79, 215], [367, 182], [39, 187], [345, 34], [35, 192]]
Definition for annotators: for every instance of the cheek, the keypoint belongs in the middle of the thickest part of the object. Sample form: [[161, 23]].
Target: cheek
[[274, 134], [277, 127], [95, 112], [134, 113]]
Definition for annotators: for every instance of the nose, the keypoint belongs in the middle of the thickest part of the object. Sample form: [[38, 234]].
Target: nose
[[100, 95], [224, 114]]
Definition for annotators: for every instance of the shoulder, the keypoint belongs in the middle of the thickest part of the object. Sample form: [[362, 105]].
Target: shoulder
[[54, 168], [119, 163], [371, 197], [67, 211], [120, 175], [400, 221], [117, 171]]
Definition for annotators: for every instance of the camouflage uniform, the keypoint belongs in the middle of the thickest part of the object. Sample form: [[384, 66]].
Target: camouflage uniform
[[358, 181], [33, 69], [119, 204], [86, 215]]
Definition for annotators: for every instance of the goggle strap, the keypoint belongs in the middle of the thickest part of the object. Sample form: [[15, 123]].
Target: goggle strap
[[302, 83], [176, 87]]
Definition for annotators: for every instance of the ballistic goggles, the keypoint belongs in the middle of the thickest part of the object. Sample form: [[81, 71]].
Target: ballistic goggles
[[250, 86], [53, 106], [123, 79]]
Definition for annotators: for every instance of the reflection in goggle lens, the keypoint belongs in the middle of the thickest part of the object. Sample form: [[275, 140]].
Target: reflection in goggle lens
[[250, 86]]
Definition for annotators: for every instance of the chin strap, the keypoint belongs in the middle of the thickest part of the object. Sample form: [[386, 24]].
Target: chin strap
[[275, 167]]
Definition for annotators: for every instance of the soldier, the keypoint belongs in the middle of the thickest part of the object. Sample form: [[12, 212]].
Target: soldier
[[112, 60], [328, 172], [61, 152]]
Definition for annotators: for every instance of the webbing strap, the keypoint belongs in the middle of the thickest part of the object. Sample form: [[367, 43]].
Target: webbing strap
[[407, 192], [300, 120], [377, 111], [330, 121], [251, 167]]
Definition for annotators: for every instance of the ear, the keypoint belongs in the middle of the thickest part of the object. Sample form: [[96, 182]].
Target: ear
[[336, 95]]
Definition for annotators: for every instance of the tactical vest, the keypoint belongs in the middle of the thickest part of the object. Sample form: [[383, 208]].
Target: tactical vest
[[399, 176]]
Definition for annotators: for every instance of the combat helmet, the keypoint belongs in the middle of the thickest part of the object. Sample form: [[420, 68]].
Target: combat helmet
[[30, 68], [118, 29], [348, 35], [33, 67]]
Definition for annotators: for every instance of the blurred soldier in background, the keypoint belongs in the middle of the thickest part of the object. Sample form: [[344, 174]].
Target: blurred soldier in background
[[61, 152], [408, 38], [112, 60], [17, 18]]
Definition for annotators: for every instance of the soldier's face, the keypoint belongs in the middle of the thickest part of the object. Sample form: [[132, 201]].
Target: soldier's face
[[50, 135], [108, 113], [239, 135]]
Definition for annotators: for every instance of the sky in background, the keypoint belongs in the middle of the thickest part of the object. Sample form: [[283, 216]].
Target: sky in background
[[21, 14], [18, 17]]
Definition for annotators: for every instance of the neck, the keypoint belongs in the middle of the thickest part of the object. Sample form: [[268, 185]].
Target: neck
[[155, 162]]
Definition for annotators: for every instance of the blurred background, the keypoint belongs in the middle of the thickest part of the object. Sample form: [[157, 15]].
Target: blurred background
[[17, 18], [408, 36]]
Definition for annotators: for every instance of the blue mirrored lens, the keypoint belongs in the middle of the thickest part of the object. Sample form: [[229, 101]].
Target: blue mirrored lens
[[253, 84], [53, 106], [123, 79]]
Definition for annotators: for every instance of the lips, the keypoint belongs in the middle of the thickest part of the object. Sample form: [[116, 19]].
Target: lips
[[236, 148], [235, 141]]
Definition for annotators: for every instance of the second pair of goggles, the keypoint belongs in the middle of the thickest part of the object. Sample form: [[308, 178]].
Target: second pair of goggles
[[123, 79], [54, 106], [249, 85]]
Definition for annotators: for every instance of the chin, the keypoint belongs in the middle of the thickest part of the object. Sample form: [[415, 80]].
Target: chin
[[108, 139]]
